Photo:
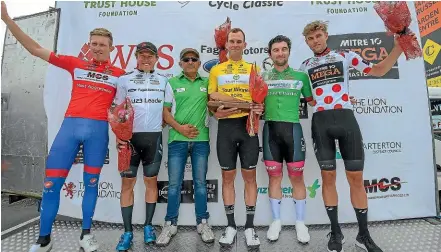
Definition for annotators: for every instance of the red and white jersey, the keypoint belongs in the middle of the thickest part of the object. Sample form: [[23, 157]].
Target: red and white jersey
[[329, 75], [94, 86]]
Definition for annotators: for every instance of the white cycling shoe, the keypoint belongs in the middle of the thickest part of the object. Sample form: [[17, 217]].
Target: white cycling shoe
[[274, 230]]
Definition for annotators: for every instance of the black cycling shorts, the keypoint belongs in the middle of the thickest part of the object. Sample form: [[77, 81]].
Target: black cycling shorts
[[147, 148], [283, 141], [233, 139], [338, 124]]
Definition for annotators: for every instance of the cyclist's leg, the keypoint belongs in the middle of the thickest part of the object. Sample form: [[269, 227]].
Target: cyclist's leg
[[151, 162], [249, 156], [95, 148], [61, 157], [295, 161], [351, 146], [324, 146], [272, 155], [227, 151], [128, 181]]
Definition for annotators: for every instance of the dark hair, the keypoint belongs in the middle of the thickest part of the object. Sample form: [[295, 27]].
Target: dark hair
[[278, 39], [236, 30]]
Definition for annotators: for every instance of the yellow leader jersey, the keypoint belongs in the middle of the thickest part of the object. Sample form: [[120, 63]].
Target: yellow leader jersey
[[231, 78]]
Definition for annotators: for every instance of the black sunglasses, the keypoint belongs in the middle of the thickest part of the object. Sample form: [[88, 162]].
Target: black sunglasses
[[190, 58]]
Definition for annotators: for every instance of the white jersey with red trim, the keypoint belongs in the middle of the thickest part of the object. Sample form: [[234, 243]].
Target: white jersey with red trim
[[329, 75]]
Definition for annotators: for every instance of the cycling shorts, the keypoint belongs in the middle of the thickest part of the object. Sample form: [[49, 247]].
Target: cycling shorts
[[147, 148], [92, 134], [233, 139], [340, 124], [283, 141]]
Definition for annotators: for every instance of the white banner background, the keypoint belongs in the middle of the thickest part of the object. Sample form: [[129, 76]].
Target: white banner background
[[173, 26]]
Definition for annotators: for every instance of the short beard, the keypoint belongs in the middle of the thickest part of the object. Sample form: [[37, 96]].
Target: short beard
[[280, 64]]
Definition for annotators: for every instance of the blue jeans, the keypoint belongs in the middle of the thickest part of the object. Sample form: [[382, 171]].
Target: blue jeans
[[178, 152]]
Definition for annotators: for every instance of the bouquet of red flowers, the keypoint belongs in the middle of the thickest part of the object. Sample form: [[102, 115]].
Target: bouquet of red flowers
[[397, 18], [121, 120], [258, 91], [221, 36]]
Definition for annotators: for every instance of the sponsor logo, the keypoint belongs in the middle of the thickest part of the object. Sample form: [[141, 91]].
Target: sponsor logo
[[287, 191], [210, 64], [344, 7], [326, 74], [122, 57], [105, 189], [145, 90], [187, 191], [251, 50], [244, 5], [372, 47], [97, 76], [80, 156], [146, 100], [383, 147], [121, 4], [70, 189], [386, 187], [376, 106], [48, 184], [431, 50]]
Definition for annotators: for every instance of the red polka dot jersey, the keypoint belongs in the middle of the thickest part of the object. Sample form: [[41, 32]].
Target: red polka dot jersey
[[329, 75]]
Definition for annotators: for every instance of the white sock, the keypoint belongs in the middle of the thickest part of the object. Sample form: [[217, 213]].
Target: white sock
[[275, 206], [300, 209]]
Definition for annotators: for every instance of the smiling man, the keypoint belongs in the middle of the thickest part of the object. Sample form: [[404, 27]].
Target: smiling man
[[187, 116], [148, 91], [85, 123], [229, 81], [283, 134]]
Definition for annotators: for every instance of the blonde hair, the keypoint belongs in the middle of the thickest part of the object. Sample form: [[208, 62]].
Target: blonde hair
[[315, 26], [102, 32]]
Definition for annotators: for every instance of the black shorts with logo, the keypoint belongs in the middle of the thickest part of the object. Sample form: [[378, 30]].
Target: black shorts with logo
[[337, 124], [147, 148], [233, 139]]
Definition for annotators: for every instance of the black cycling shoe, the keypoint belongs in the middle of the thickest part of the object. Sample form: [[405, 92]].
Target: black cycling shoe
[[365, 242], [336, 241]]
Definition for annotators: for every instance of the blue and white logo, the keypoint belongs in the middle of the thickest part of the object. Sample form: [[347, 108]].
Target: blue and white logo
[[210, 64]]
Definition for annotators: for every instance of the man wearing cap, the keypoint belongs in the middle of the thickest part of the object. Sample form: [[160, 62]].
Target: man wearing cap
[[187, 116], [148, 91]]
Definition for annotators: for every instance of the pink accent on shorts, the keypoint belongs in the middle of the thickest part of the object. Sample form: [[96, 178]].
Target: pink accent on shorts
[[295, 168], [273, 168]]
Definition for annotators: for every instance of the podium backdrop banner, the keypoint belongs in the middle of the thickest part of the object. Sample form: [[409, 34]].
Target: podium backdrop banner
[[392, 110]]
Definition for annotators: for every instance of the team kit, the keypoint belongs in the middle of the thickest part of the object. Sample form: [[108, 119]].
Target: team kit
[[181, 103]]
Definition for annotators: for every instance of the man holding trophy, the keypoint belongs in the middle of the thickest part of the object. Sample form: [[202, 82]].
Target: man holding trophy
[[229, 85]]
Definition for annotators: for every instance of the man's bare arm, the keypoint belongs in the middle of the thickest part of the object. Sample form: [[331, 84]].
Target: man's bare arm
[[31, 45], [386, 65], [169, 119]]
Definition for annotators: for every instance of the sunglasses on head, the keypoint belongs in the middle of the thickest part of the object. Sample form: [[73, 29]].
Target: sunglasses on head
[[190, 58]]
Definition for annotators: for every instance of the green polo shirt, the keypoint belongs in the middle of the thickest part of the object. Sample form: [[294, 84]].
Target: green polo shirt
[[189, 106]]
